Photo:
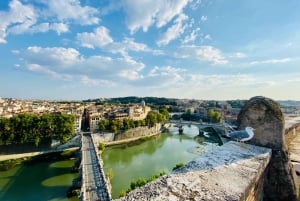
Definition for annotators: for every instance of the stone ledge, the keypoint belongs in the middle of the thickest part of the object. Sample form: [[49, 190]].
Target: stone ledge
[[226, 173]]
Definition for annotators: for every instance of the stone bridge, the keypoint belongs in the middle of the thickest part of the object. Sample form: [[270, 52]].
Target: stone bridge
[[221, 129], [94, 184]]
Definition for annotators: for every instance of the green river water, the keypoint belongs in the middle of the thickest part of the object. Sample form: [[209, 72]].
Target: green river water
[[152, 156], [49, 181], [37, 182]]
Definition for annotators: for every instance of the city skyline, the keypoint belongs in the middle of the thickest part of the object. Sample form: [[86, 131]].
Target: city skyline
[[195, 49]]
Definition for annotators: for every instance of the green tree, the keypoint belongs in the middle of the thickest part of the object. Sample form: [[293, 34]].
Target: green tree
[[151, 119], [103, 125], [214, 116], [164, 111], [126, 124]]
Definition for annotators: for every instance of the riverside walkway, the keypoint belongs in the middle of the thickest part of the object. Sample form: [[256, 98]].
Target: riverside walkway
[[94, 186]]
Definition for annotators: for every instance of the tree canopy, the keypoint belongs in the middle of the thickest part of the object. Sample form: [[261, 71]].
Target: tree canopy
[[126, 124], [214, 116], [29, 127]]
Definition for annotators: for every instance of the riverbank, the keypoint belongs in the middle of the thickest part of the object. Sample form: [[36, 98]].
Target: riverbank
[[31, 154], [9, 161]]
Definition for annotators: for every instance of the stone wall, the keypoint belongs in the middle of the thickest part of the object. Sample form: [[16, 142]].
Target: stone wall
[[291, 133], [265, 116], [234, 171], [138, 132], [230, 172]]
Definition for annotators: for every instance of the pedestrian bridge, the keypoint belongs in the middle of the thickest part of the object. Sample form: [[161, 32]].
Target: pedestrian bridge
[[94, 185]]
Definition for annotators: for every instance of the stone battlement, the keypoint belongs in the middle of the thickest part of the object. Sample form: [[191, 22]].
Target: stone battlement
[[233, 171]]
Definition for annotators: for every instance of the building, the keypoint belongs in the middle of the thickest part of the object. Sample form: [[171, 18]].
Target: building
[[94, 119]]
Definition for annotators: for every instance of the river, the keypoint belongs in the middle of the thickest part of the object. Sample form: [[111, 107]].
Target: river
[[43, 181], [49, 181], [158, 154]]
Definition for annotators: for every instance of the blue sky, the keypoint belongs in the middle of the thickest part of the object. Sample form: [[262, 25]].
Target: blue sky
[[197, 49]]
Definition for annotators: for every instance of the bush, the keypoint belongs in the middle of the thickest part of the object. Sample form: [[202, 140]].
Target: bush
[[110, 174], [178, 165], [101, 146], [122, 193]]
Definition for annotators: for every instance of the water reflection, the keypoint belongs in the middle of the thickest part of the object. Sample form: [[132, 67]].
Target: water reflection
[[39, 181], [152, 156]]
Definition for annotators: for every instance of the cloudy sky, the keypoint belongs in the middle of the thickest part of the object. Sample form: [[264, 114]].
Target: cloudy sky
[[201, 49]]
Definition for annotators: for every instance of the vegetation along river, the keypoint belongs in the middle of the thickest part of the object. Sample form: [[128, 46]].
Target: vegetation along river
[[162, 153]]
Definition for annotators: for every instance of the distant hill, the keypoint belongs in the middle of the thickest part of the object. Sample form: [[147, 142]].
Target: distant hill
[[289, 103], [134, 99]]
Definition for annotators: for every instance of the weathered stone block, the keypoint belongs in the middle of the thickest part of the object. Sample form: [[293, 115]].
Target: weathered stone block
[[265, 116]]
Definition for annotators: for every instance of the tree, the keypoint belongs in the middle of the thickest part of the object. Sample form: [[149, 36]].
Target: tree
[[151, 119], [25, 128], [214, 116], [126, 124], [103, 124], [164, 111]]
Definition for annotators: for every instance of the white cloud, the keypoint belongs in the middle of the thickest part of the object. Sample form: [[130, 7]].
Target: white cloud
[[191, 37], [17, 20], [271, 61], [202, 53], [128, 44], [45, 71], [195, 4], [130, 74], [24, 18], [207, 37], [203, 18], [161, 77], [99, 38], [239, 55], [144, 13], [58, 62], [71, 10], [59, 27], [45, 27], [86, 80], [54, 56], [166, 71], [174, 31]]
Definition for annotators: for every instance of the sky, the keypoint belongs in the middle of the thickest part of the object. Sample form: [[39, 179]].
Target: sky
[[195, 49]]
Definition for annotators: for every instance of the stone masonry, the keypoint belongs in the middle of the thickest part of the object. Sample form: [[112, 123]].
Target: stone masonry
[[265, 116]]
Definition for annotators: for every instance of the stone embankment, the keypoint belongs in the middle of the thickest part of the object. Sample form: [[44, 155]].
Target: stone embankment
[[128, 136], [138, 132]]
